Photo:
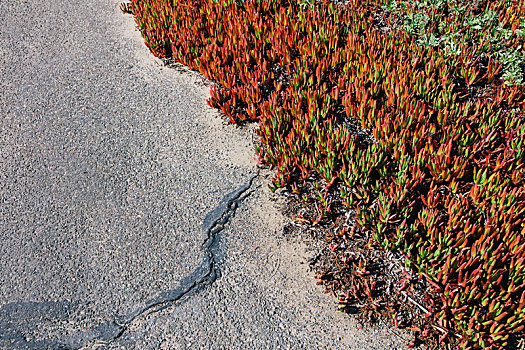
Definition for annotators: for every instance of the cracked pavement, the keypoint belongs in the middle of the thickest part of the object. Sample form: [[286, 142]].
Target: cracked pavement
[[131, 216]]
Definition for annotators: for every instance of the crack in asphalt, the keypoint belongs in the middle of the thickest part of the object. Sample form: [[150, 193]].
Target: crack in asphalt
[[207, 272], [108, 332]]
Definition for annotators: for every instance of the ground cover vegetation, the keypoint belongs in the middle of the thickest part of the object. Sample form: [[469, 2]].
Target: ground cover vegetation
[[408, 117]]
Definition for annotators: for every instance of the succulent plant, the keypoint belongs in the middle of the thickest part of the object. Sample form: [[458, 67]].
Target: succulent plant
[[440, 176]]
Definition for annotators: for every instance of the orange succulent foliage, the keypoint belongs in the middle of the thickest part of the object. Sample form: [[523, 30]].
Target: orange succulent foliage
[[441, 177]]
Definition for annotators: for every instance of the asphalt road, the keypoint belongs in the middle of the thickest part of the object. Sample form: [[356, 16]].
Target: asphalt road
[[131, 215]]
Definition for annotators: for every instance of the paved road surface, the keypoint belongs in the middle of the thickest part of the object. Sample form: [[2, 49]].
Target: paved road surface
[[131, 215]]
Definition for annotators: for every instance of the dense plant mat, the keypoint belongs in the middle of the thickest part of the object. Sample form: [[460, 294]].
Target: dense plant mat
[[488, 29], [424, 147]]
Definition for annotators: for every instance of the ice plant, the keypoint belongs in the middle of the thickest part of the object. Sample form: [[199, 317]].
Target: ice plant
[[439, 174]]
